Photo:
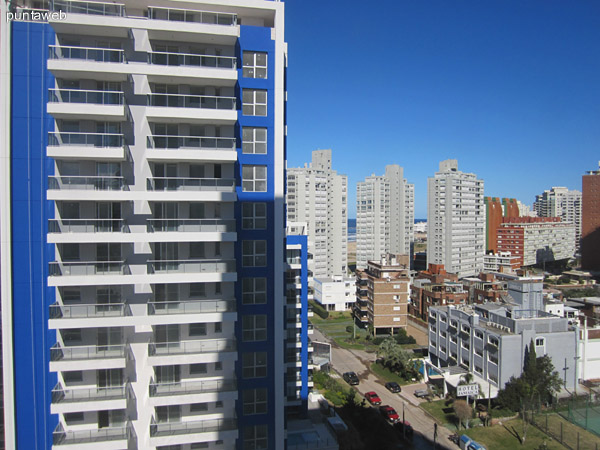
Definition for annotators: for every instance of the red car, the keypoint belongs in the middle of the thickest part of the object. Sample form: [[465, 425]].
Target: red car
[[389, 413], [373, 398]]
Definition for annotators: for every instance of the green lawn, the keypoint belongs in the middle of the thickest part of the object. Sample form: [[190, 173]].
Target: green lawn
[[504, 437], [386, 375], [442, 413]]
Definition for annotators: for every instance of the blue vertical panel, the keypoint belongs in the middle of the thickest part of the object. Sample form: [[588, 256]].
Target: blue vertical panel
[[258, 39], [30, 252]]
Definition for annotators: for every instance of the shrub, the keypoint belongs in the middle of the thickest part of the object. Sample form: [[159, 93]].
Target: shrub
[[319, 310], [349, 329]]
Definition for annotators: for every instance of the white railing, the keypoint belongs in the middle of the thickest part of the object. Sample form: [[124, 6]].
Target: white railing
[[85, 96], [189, 387], [191, 266], [58, 311], [191, 347], [87, 226], [86, 183], [191, 101], [191, 307], [189, 15], [191, 184], [192, 59], [97, 54], [61, 394], [61, 437], [83, 268], [191, 142], [94, 8], [106, 140], [191, 225], [83, 352]]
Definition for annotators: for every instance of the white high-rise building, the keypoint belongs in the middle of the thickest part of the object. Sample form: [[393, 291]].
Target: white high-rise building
[[455, 220], [142, 186], [384, 216], [318, 196], [561, 202]]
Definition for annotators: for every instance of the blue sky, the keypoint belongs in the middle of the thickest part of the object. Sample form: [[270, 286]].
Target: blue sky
[[509, 88]]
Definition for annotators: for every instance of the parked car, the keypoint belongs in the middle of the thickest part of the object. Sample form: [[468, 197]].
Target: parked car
[[420, 393], [351, 378], [373, 398], [389, 413], [392, 386]]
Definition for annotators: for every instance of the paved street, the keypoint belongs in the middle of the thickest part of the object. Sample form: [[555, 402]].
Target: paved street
[[357, 361]]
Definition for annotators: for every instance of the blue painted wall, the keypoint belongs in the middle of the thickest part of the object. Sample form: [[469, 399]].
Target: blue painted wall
[[258, 39], [30, 252]]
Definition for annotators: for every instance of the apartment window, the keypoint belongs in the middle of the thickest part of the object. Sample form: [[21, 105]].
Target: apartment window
[[255, 64], [254, 178], [198, 369], [218, 327], [255, 437], [219, 404], [199, 445], [254, 140], [540, 345], [75, 376], [197, 329], [479, 334], [197, 290], [254, 253], [197, 250], [255, 401], [69, 252], [254, 365], [254, 216], [217, 288], [254, 291], [199, 407], [254, 328], [71, 335], [74, 417], [254, 102]]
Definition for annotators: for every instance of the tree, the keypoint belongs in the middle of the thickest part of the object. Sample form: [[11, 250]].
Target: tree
[[397, 359], [463, 412], [538, 383]]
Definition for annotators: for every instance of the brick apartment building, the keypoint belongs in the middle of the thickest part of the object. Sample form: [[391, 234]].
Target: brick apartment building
[[590, 221], [484, 288], [495, 210], [382, 292], [435, 287]]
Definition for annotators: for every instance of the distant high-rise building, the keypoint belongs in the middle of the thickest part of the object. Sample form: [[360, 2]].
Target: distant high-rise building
[[495, 210], [590, 221], [384, 216], [455, 220], [561, 202], [318, 196], [525, 210]]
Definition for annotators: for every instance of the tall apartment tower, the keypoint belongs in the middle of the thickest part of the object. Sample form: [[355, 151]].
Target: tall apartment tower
[[318, 196], [385, 216], [455, 220], [561, 202], [590, 220], [143, 225]]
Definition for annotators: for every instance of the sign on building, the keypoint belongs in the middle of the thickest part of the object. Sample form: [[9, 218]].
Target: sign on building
[[471, 390]]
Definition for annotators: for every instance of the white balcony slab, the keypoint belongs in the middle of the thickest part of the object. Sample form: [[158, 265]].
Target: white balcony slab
[[192, 397], [86, 152], [190, 438], [171, 236], [91, 405], [192, 115], [90, 364], [190, 154], [87, 111], [165, 278]]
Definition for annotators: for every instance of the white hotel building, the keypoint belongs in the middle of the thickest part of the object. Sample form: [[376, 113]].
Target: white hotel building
[[142, 190]]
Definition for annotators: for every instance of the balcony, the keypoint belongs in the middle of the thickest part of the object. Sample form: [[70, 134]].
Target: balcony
[[194, 16], [191, 101], [111, 438], [95, 357], [191, 347], [93, 105], [86, 145], [191, 148], [178, 433], [84, 183], [80, 399], [191, 225], [95, 310], [92, 8], [191, 266], [202, 109], [95, 54], [192, 60], [191, 387], [86, 268], [191, 184], [191, 307], [87, 226]]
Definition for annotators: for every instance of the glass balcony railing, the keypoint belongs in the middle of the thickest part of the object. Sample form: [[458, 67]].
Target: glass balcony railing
[[81, 96], [87, 226], [188, 15], [83, 352], [191, 266], [61, 394], [191, 142], [82, 268], [191, 307], [191, 387], [87, 183], [191, 184], [192, 60], [191, 347], [191, 101], [93, 8], [113, 55], [70, 438], [191, 427], [191, 225], [102, 140], [58, 311]]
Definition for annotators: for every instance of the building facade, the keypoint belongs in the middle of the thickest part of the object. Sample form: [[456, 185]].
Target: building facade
[[590, 221], [384, 216], [564, 203], [455, 220], [495, 211], [382, 292], [143, 160], [501, 262], [318, 196], [336, 293], [537, 240]]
